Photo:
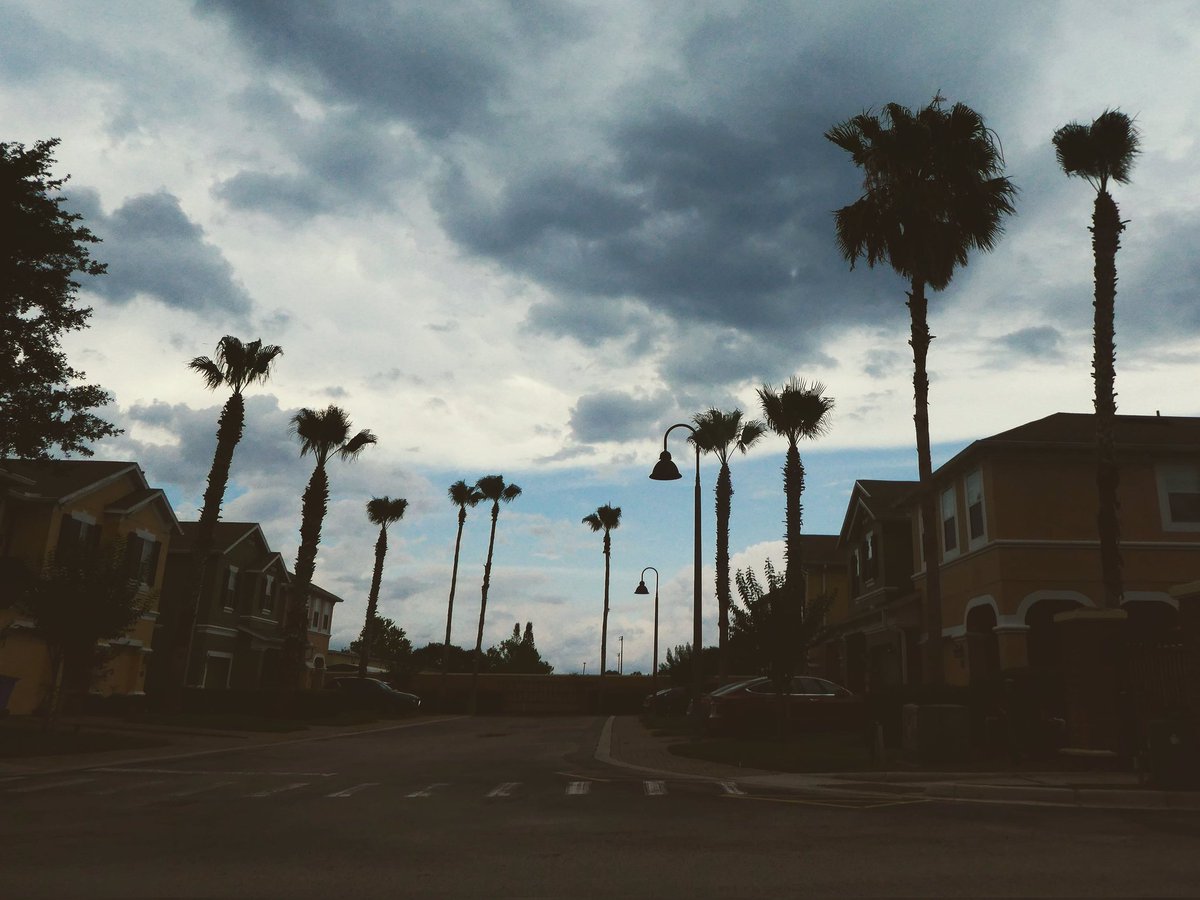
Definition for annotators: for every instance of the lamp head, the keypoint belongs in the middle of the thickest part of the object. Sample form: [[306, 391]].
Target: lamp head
[[641, 588], [665, 469]]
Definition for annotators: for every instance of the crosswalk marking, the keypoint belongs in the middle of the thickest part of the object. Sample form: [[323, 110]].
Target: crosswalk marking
[[121, 788], [48, 787], [578, 788], [190, 792], [503, 790], [654, 788], [351, 791], [730, 787], [268, 792], [428, 792]]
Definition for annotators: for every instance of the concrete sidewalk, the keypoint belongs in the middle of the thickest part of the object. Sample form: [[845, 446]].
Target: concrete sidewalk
[[627, 743]]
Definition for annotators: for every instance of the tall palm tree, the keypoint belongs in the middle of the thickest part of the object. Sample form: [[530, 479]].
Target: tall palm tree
[[381, 511], [933, 191], [721, 432], [797, 411], [323, 433], [461, 495], [606, 518], [490, 487], [237, 366], [1097, 153]]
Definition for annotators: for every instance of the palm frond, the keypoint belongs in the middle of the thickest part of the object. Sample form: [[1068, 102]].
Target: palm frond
[[593, 521], [1102, 150], [356, 444], [510, 493], [463, 495], [384, 510], [212, 374]]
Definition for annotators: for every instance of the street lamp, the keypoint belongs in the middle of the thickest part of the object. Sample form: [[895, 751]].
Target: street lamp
[[666, 470], [642, 589]]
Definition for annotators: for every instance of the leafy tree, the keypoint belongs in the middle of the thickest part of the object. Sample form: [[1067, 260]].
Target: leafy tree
[[933, 191], [1097, 153], [719, 432], [678, 667], [490, 487], [381, 511], [386, 642], [433, 656], [79, 599], [461, 495], [796, 411], [606, 518], [324, 434], [237, 366], [43, 405], [773, 634], [518, 655]]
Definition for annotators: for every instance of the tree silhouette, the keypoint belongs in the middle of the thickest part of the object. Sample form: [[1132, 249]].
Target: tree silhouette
[[490, 487], [933, 191], [721, 432], [607, 519], [461, 495], [42, 405], [1097, 153], [381, 511], [325, 434]]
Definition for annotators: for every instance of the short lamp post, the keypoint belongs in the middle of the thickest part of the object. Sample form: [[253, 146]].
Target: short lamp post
[[666, 470], [642, 589]]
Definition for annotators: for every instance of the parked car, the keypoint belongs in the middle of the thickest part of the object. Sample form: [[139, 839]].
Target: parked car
[[672, 701], [812, 704], [375, 694]]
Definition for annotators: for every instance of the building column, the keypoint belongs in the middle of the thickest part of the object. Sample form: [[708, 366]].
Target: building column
[[1188, 596], [1092, 657], [1013, 641]]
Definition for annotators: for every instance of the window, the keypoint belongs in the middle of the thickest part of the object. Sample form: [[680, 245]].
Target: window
[[76, 534], [316, 617], [976, 527], [1179, 496], [229, 597], [950, 523], [325, 622], [268, 593], [141, 558], [869, 556]]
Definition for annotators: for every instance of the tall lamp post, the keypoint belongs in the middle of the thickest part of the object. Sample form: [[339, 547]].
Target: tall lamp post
[[666, 470], [642, 589]]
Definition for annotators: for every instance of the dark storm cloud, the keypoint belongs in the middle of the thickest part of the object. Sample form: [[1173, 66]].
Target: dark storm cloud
[[153, 248], [614, 416]]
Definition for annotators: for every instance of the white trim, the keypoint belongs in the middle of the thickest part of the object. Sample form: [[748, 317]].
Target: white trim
[[1164, 507], [955, 631], [974, 543], [1038, 596], [981, 600], [949, 553], [1141, 545], [218, 630], [1151, 597], [216, 654]]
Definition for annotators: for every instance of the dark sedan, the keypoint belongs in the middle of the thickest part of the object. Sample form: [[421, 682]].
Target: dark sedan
[[809, 703], [372, 693], [672, 701]]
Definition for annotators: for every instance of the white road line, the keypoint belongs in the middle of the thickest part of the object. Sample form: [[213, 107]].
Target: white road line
[[48, 787], [125, 787], [504, 790], [141, 771], [202, 789], [279, 790], [654, 788], [578, 788], [730, 787], [351, 791], [428, 792]]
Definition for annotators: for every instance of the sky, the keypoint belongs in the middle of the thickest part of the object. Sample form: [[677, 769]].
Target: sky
[[526, 237]]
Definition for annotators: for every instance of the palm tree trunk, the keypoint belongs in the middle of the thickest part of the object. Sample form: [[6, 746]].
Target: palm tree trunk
[[793, 487], [312, 515], [724, 492], [1106, 240], [462, 520], [364, 651], [487, 580], [932, 612], [604, 623]]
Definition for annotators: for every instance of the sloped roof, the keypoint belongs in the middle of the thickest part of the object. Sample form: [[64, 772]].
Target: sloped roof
[[226, 535], [59, 479], [883, 500]]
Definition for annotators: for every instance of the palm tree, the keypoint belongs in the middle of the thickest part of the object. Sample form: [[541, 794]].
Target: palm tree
[[324, 434], [381, 511], [720, 432], [933, 191], [461, 495], [798, 410], [490, 487], [237, 366], [1099, 152], [607, 519]]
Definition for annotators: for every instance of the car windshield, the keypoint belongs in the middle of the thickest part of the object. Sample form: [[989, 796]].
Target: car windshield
[[727, 688]]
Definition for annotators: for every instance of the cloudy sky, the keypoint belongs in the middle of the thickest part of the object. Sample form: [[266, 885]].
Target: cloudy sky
[[526, 237]]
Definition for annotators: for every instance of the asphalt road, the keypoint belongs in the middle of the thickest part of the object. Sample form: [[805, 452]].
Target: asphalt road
[[518, 807]]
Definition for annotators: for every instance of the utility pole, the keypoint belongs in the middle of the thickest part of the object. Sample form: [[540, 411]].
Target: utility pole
[[585, 667], [621, 656]]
